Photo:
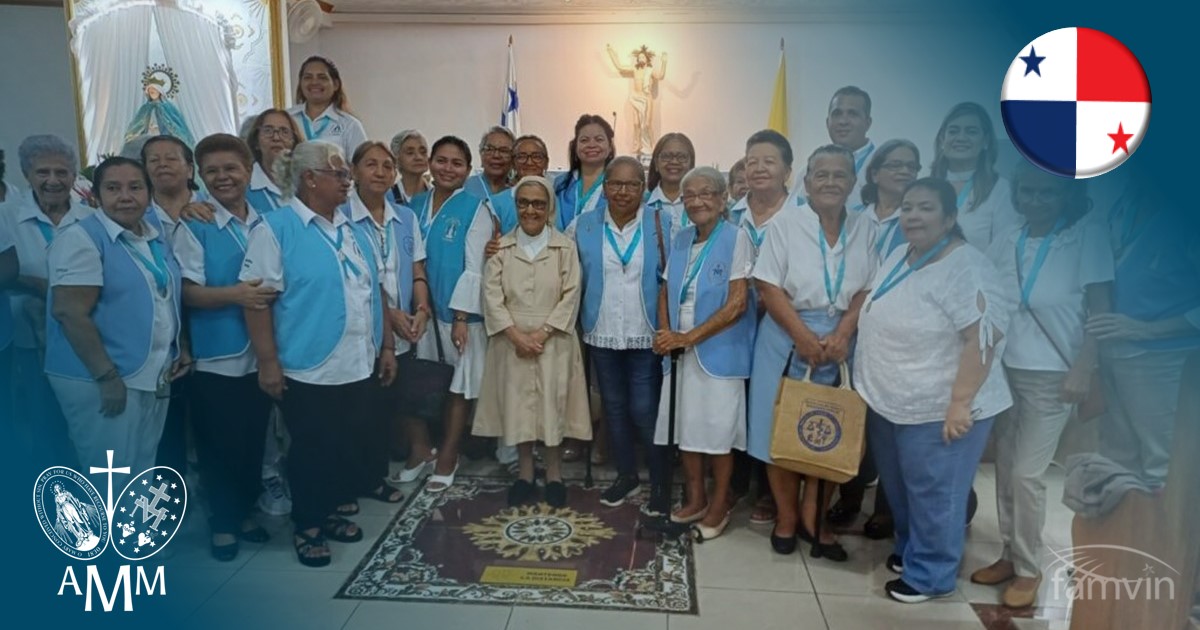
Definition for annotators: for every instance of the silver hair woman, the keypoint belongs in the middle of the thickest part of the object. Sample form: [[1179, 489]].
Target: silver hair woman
[[412, 163]]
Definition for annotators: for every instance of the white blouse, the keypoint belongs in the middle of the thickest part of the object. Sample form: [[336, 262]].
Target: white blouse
[[1077, 257], [790, 258], [622, 322], [991, 219], [909, 343]]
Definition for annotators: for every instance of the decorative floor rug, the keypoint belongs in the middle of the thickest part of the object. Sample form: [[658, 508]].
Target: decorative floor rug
[[466, 545]]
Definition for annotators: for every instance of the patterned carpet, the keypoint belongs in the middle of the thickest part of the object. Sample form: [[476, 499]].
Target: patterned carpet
[[467, 546]]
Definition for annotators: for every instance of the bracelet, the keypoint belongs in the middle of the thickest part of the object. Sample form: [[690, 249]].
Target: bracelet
[[416, 280], [548, 329], [460, 318], [111, 374], [422, 308]]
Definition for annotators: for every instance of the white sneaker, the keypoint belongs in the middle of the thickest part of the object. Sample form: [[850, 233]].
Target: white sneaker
[[276, 499]]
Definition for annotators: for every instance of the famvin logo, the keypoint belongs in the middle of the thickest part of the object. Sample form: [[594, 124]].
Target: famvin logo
[[78, 522]]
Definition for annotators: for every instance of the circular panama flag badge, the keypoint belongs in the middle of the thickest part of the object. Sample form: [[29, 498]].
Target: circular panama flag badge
[[1076, 102]]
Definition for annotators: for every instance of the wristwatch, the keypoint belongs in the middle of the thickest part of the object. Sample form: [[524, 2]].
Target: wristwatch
[[548, 329]]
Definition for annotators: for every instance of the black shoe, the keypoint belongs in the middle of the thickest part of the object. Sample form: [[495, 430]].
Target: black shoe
[[900, 591], [556, 494], [783, 545], [972, 506], [842, 513], [832, 551], [224, 553], [621, 489], [878, 527], [895, 564], [256, 535], [521, 492]]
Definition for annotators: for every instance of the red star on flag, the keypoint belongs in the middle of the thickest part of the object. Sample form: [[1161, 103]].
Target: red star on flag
[[1120, 139]]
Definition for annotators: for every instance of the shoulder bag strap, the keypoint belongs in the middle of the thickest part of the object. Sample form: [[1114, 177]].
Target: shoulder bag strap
[[1053, 344]]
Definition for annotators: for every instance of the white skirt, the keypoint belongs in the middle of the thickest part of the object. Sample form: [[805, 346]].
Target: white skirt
[[468, 365], [710, 413]]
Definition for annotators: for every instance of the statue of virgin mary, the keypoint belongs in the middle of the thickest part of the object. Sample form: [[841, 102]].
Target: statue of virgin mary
[[158, 115]]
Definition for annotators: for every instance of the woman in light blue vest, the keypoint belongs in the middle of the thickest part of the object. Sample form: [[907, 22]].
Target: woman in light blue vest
[[673, 157], [457, 227], [621, 248], [396, 242], [581, 189], [273, 132], [492, 183], [705, 304], [229, 411], [812, 272], [412, 166], [317, 353], [112, 336]]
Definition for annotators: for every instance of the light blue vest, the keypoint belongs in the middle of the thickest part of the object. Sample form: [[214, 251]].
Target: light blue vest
[[726, 354], [504, 207], [446, 248], [401, 245], [124, 311], [218, 333], [590, 241], [263, 200], [311, 306], [566, 199]]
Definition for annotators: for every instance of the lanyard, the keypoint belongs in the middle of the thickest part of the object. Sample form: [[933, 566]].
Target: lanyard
[[965, 193], [889, 233], [308, 131], [347, 266], [157, 267], [1038, 260], [487, 190], [47, 231], [627, 255], [891, 280], [582, 198], [756, 235], [858, 164], [832, 290], [695, 270], [238, 235], [425, 219], [385, 240]]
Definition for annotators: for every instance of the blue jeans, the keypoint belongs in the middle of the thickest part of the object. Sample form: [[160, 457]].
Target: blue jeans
[[927, 483], [630, 385]]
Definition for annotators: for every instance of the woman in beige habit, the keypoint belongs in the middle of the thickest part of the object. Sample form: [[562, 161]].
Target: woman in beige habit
[[533, 387]]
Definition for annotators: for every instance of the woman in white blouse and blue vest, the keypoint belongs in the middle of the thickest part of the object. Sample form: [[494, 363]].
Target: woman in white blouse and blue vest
[[929, 337], [703, 314], [457, 227], [271, 134], [322, 378], [581, 189], [812, 273], [673, 157], [622, 250], [229, 411], [496, 150], [112, 346], [322, 106]]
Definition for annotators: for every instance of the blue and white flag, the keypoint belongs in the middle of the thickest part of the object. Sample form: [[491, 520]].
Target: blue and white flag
[[510, 113]]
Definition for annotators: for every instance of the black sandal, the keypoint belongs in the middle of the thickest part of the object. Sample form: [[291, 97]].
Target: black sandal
[[308, 544], [336, 528], [255, 535], [385, 493], [342, 510]]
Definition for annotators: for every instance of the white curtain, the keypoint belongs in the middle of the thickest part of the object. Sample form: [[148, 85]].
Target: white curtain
[[195, 47], [111, 52]]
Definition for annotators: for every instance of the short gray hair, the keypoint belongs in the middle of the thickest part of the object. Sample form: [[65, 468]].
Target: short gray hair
[[628, 160], [307, 156], [504, 131], [831, 149], [405, 135], [45, 145], [706, 172]]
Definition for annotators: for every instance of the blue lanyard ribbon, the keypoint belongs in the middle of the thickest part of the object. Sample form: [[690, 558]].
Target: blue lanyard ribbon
[[582, 198], [308, 130], [891, 280], [238, 236], [1038, 260], [157, 267], [832, 290], [347, 267], [889, 233], [756, 236], [858, 164], [965, 193], [695, 270], [47, 231], [424, 219], [627, 255], [385, 241]]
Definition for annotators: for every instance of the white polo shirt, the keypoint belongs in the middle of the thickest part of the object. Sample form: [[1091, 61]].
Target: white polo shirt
[[332, 125]]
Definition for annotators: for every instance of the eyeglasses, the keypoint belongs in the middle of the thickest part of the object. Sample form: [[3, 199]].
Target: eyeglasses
[[677, 158], [896, 166], [536, 204], [531, 157], [1039, 195], [703, 195], [488, 149], [619, 186], [282, 132], [338, 173]]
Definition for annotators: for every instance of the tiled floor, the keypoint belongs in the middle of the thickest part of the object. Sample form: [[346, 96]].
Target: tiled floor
[[741, 583]]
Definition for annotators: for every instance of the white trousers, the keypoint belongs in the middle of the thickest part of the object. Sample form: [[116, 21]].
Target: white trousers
[[132, 436]]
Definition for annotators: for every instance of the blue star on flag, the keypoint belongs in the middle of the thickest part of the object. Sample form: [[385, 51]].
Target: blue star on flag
[[1032, 62], [513, 102]]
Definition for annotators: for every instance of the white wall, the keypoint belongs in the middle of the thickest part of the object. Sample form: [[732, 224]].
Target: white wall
[[447, 78], [35, 79]]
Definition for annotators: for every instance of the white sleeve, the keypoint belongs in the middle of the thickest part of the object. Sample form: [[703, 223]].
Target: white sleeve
[[743, 257], [263, 258], [353, 135], [973, 293], [771, 266], [468, 293], [73, 260], [190, 255]]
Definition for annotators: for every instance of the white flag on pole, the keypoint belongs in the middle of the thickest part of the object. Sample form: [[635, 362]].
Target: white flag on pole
[[510, 114]]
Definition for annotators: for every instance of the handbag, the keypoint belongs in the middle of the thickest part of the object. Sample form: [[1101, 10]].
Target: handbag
[[1095, 404], [819, 430], [428, 387]]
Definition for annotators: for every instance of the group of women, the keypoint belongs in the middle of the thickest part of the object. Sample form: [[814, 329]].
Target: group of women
[[321, 268]]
